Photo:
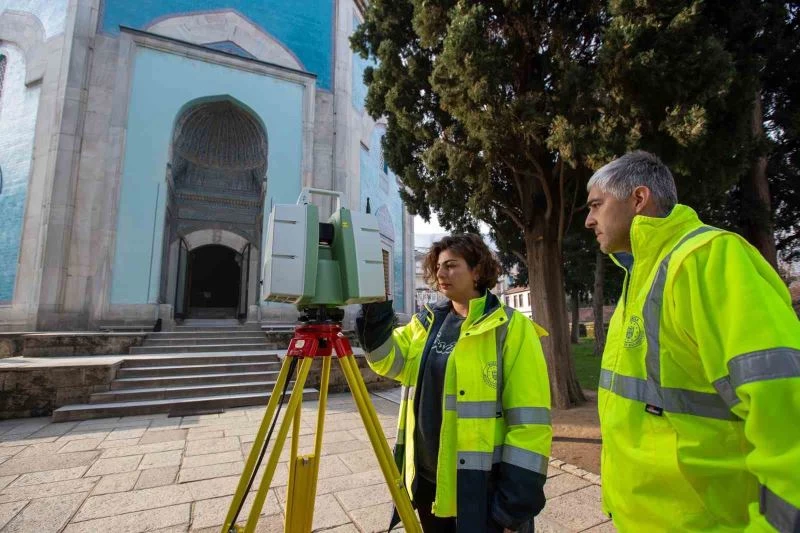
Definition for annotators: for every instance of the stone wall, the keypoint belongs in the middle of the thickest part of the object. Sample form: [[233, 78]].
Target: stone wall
[[26, 392], [10, 344], [338, 383], [66, 344]]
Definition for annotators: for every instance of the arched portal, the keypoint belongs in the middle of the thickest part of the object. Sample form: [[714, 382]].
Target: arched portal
[[214, 281], [216, 183]]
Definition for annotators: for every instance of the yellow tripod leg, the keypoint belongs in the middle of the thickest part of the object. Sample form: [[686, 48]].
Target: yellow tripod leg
[[379, 445], [304, 470], [255, 451], [272, 463]]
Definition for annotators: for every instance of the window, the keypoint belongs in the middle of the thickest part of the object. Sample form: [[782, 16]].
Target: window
[[386, 272], [3, 62]]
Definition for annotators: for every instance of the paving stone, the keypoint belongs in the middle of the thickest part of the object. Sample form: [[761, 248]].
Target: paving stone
[[210, 471], [9, 451], [360, 461], [206, 446], [23, 464], [211, 459], [45, 514], [592, 478], [157, 477], [114, 466], [551, 472], [212, 512], [363, 497], [9, 510], [350, 528], [328, 513], [55, 430], [155, 460], [6, 481], [183, 528], [164, 425], [100, 422], [116, 483], [125, 433], [151, 437], [11, 441], [577, 510], [203, 434], [46, 490], [136, 522], [119, 443], [562, 484], [546, 525], [80, 445], [605, 527], [212, 488], [141, 449], [50, 476], [84, 433], [352, 481], [372, 519], [134, 501]]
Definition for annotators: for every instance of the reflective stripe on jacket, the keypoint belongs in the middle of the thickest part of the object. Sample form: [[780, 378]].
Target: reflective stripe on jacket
[[496, 409], [699, 393]]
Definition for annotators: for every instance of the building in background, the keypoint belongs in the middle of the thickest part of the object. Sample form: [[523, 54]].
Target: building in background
[[143, 144]]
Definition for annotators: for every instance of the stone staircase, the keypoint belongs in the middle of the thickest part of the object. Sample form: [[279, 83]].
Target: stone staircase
[[203, 365]]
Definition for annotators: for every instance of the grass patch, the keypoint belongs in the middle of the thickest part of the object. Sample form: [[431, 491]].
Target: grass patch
[[587, 366]]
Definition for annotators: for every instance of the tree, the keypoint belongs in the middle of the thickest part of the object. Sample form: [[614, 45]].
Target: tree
[[709, 87], [483, 100]]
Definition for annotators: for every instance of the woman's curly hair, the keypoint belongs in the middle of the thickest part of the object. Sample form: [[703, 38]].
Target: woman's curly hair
[[474, 251]]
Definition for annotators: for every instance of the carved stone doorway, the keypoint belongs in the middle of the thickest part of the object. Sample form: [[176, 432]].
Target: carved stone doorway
[[217, 184]]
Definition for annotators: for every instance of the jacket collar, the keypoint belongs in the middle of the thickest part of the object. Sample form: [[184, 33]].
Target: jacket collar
[[651, 236], [480, 309]]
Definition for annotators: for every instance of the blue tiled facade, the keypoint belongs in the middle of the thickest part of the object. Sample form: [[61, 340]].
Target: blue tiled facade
[[18, 109], [380, 186], [305, 28], [159, 95]]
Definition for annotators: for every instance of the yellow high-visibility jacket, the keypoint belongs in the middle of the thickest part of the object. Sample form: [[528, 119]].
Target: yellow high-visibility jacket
[[496, 433], [699, 393]]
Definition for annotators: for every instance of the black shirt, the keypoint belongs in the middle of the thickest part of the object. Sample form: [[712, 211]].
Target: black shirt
[[431, 391]]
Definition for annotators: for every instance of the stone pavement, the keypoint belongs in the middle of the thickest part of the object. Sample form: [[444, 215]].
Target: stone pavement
[[153, 473]]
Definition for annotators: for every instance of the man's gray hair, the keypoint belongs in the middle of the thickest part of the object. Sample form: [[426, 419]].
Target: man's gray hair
[[621, 176]]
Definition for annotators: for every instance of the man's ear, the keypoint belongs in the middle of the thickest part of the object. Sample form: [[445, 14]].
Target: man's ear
[[643, 201]]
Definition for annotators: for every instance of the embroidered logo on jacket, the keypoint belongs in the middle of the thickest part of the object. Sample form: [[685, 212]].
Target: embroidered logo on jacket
[[634, 334], [490, 374]]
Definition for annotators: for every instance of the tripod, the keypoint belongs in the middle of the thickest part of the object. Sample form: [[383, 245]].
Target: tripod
[[318, 336]]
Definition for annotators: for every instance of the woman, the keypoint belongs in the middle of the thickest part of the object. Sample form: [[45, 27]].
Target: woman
[[474, 431]]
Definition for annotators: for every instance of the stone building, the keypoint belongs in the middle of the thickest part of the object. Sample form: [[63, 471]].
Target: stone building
[[142, 145]]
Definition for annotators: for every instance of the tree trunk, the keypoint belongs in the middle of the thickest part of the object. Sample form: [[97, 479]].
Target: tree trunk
[[548, 306], [756, 213], [575, 334], [597, 304]]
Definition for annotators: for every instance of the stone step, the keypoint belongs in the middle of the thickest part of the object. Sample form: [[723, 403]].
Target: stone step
[[195, 325], [201, 359], [206, 334], [194, 370], [161, 393], [199, 348], [201, 339], [192, 380], [146, 407]]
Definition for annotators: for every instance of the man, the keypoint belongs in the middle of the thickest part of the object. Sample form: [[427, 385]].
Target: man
[[699, 393]]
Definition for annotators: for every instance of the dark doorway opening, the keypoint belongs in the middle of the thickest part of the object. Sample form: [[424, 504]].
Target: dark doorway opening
[[214, 282]]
